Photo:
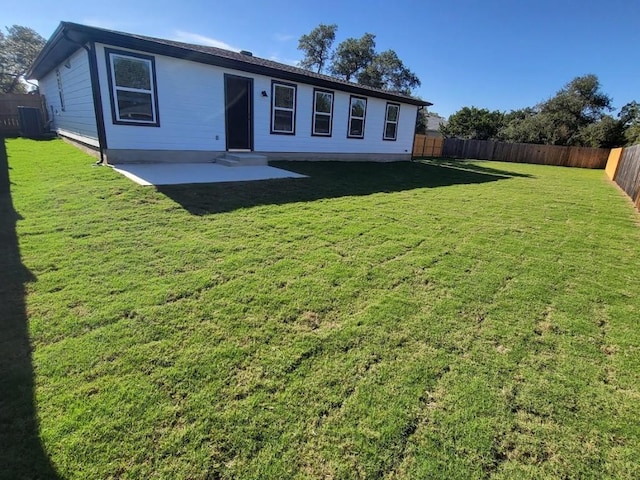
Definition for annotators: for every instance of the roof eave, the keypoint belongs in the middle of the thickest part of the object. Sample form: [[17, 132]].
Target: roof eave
[[85, 34], [59, 45]]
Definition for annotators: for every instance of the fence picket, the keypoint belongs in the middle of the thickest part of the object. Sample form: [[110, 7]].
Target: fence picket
[[582, 157], [9, 103]]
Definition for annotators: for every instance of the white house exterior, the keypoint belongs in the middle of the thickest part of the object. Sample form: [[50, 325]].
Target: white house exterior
[[141, 99]]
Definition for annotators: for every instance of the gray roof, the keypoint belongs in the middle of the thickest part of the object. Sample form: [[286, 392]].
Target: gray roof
[[68, 37]]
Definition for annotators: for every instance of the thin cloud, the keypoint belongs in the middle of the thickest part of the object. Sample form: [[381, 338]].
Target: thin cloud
[[190, 37], [280, 37]]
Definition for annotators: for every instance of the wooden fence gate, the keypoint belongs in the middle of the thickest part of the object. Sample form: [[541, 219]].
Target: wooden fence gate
[[9, 103], [424, 146]]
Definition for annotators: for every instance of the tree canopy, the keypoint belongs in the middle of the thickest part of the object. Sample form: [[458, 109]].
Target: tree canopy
[[356, 59], [473, 123], [352, 56], [19, 47], [386, 71], [578, 114], [629, 116], [316, 46]]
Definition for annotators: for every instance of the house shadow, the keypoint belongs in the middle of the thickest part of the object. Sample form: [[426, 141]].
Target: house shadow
[[21, 452], [330, 180]]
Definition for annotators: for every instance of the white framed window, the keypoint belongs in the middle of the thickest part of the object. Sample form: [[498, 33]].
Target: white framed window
[[60, 92], [283, 108], [391, 118], [132, 86], [322, 113], [357, 114]]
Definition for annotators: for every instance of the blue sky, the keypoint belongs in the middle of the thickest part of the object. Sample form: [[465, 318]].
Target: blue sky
[[496, 54]]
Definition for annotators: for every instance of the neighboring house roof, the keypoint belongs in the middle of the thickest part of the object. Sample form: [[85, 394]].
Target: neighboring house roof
[[434, 121], [68, 37]]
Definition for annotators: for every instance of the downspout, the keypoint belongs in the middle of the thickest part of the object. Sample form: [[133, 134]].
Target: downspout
[[415, 128], [95, 90]]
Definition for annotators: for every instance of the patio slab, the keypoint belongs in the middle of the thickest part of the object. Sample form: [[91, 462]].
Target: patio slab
[[181, 173]]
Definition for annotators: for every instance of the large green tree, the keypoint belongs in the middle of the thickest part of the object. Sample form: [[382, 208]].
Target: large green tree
[[629, 117], [473, 123], [522, 126], [386, 71], [356, 60], [353, 56], [18, 49], [575, 115], [316, 46], [576, 106]]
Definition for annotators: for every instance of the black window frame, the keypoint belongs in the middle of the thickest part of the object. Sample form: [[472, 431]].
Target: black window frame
[[277, 83], [112, 88], [387, 121], [351, 117], [314, 113]]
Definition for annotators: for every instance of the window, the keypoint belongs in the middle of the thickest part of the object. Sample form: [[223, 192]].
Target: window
[[322, 113], [60, 93], [133, 88], [391, 121], [283, 108], [357, 112]]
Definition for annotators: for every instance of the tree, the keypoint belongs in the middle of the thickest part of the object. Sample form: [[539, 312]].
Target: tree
[[607, 133], [629, 117], [473, 123], [18, 49], [522, 126], [386, 71], [575, 115], [577, 105], [355, 59], [422, 121], [352, 56], [316, 46]]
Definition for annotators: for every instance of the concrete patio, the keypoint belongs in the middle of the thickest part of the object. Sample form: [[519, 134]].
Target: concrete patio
[[183, 173]]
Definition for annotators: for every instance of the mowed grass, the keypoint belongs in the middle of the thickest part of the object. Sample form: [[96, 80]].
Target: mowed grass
[[434, 319]]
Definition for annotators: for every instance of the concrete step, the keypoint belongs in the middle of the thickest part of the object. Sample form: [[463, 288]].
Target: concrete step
[[231, 159], [227, 162]]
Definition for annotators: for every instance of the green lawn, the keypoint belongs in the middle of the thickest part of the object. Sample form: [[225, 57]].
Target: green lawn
[[431, 319]]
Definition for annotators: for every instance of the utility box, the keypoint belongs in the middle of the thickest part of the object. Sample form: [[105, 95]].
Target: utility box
[[31, 125]]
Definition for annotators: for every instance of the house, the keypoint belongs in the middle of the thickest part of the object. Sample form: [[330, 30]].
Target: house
[[434, 121], [133, 98]]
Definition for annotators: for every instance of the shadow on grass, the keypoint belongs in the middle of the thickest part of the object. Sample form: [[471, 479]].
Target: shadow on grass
[[330, 180], [21, 453]]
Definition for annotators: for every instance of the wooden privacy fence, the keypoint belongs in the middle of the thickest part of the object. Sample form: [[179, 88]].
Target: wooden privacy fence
[[9, 103], [424, 146], [623, 168], [583, 157]]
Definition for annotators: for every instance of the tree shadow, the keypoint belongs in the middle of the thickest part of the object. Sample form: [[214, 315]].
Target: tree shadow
[[330, 180], [21, 452]]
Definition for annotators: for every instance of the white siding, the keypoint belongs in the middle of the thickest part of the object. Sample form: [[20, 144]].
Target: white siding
[[190, 107], [78, 118], [304, 141], [191, 112]]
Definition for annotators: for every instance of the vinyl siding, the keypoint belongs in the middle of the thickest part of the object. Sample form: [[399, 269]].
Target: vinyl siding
[[304, 141], [190, 107], [192, 117], [78, 118]]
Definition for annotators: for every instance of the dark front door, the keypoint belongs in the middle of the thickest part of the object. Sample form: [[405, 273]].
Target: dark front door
[[238, 111]]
